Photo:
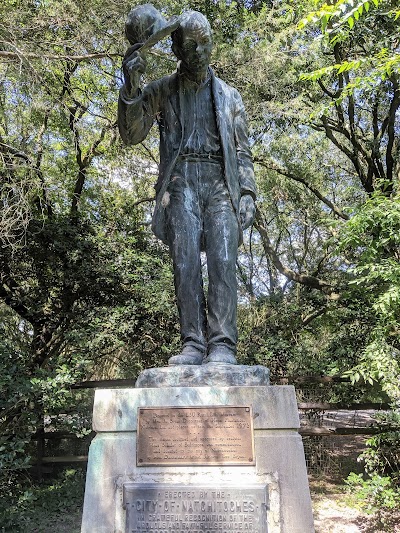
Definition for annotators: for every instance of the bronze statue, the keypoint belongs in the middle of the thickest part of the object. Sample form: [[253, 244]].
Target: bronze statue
[[205, 191]]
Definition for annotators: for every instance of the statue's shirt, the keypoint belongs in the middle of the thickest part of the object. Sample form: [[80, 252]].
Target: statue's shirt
[[200, 129]]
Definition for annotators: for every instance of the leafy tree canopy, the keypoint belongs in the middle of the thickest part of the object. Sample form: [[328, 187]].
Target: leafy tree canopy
[[85, 288]]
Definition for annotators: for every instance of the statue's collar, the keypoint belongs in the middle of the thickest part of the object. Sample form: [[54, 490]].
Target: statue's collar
[[187, 76]]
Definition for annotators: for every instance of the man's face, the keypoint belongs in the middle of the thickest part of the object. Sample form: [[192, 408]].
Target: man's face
[[195, 49]]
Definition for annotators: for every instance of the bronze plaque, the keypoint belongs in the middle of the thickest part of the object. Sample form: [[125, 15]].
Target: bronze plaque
[[162, 508], [220, 435]]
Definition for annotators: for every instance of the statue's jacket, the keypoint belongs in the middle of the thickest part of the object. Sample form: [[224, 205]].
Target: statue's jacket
[[162, 100]]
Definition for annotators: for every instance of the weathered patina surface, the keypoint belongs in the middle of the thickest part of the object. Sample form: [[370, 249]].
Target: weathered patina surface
[[205, 192]]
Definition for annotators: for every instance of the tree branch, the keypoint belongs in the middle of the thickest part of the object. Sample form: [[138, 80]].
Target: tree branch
[[38, 163], [86, 57], [394, 105], [150, 153], [144, 200], [353, 158], [7, 149], [291, 176], [327, 91], [309, 281], [76, 195], [247, 284], [309, 318], [93, 150], [8, 287]]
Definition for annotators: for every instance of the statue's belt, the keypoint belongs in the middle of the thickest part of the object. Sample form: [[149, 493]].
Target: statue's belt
[[206, 158]]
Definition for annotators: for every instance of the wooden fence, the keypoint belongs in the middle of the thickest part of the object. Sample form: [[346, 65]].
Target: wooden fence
[[321, 423]]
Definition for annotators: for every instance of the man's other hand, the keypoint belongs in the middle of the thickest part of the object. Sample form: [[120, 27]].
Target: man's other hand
[[247, 211]]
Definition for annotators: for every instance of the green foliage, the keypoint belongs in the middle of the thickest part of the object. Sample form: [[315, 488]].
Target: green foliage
[[369, 70], [41, 507], [375, 494], [371, 241], [17, 402], [26, 400], [333, 16], [87, 292], [382, 454], [378, 491]]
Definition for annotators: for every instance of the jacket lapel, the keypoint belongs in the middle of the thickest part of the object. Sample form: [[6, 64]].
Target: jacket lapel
[[219, 100], [174, 97]]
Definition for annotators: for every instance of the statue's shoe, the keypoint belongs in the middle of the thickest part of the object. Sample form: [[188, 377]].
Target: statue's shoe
[[188, 356], [221, 354]]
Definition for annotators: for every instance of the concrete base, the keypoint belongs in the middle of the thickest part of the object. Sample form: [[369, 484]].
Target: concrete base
[[280, 463], [208, 375]]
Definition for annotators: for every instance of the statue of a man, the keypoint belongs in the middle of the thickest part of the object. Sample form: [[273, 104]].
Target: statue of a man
[[205, 192]]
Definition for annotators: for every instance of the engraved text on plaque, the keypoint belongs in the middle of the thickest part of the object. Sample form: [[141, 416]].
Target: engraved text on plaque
[[220, 435], [162, 508]]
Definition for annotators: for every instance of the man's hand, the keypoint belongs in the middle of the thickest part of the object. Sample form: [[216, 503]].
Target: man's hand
[[133, 66], [247, 211]]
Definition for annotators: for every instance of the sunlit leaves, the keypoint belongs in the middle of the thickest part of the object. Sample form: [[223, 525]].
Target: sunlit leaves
[[333, 16], [372, 240], [337, 22], [380, 362]]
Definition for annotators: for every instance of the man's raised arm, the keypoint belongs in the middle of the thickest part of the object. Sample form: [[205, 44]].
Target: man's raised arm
[[136, 109]]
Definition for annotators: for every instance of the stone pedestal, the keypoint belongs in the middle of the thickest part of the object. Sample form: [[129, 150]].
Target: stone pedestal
[[279, 469]]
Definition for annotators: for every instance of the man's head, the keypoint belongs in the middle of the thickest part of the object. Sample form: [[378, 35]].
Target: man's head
[[192, 41]]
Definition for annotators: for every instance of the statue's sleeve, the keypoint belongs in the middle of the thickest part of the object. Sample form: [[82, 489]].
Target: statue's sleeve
[[136, 115], [244, 156]]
